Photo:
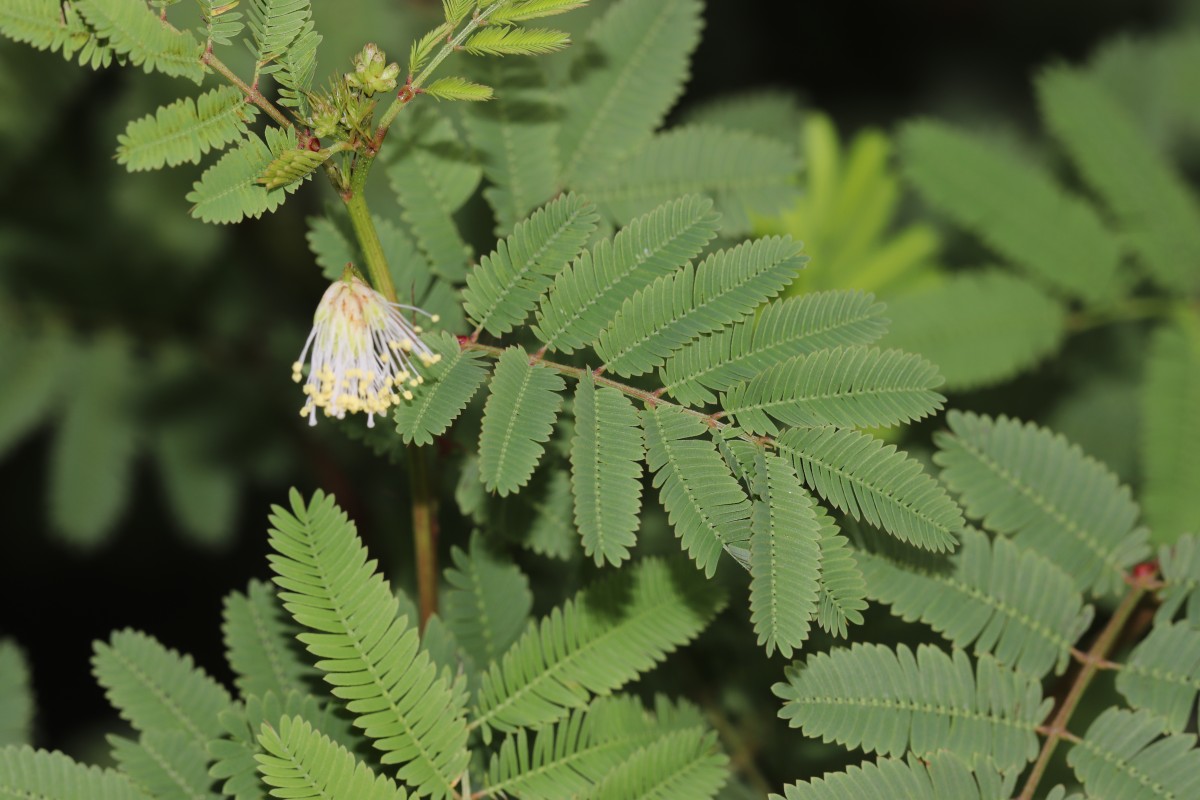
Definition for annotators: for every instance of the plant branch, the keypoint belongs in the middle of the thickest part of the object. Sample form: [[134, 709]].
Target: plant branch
[[1095, 657], [425, 534], [252, 93]]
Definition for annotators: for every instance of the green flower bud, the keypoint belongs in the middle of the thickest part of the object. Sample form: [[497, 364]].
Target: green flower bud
[[371, 72]]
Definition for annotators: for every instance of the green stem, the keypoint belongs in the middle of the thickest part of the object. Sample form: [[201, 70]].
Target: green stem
[[368, 241], [252, 93], [1092, 662]]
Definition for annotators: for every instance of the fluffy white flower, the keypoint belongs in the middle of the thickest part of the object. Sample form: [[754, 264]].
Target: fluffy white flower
[[362, 352]]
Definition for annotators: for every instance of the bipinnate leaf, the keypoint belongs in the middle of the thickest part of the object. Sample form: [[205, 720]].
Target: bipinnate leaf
[[606, 471], [594, 644], [369, 654], [1029, 483], [1125, 753], [779, 330], [704, 502], [892, 701], [1002, 598], [854, 387], [518, 419], [870, 480]]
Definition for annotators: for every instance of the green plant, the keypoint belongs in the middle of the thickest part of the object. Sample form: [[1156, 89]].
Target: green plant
[[617, 340]]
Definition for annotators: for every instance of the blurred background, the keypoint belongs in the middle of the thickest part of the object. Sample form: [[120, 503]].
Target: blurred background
[[147, 416]]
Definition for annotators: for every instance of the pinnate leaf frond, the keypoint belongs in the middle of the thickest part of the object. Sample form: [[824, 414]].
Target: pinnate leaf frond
[[303, 764], [1162, 674], [449, 386], [488, 603], [260, 643], [939, 777], [1029, 483], [369, 654], [185, 130], [892, 701], [1124, 756], [1171, 431], [131, 29], [25, 772]]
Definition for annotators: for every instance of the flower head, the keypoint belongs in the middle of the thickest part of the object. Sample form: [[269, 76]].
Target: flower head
[[363, 353]]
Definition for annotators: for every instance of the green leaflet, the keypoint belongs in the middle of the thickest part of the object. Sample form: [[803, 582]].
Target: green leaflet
[[635, 43], [305, 765], [1160, 217], [16, 696], [606, 471], [842, 595], [1122, 755], [704, 502], [1027, 482], [1162, 674], [569, 758], [369, 654], [522, 177], [586, 296], [221, 24], [504, 288], [892, 701], [1006, 600], [229, 190], [938, 777], [980, 328], [432, 177], [500, 40], [260, 644], [867, 479], [676, 308], [184, 131], [517, 421], [489, 602], [92, 456], [855, 387], [168, 765], [157, 689], [785, 557], [594, 644], [449, 386], [781, 329], [134, 31], [25, 772], [1019, 210], [1171, 430], [742, 172]]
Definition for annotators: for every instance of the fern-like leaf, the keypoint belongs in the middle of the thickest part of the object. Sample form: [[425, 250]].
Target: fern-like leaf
[[259, 642], [704, 502], [687, 763], [782, 329], [185, 130], [646, 45], [503, 289], [1160, 217], [586, 296], [853, 387], [275, 24], [980, 328], [1027, 482], [785, 557], [489, 602], [221, 23], [1004, 599], [229, 190], [523, 10], [939, 777], [167, 765], [606, 471], [449, 386], [890, 701], [1171, 432], [1180, 565], [1162, 674], [500, 40], [29, 773], [676, 308], [1124, 756], [458, 88], [1017, 209], [867, 479], [518, 419], [594, 644], [16, 695], [157, 689], [297, 67], [369, 655], [569, 758], [303, 764], [744, 174], [134, 31], [842, 595]]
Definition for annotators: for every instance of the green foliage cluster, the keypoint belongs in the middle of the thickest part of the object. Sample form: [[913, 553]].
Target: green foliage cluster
[[619, 341]]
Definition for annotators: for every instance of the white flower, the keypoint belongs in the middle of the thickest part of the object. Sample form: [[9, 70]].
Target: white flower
[[363, 353]]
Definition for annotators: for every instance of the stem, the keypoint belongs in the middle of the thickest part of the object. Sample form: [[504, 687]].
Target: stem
[[425, 533], [252, 93], [368, 241], [1092, 661]]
